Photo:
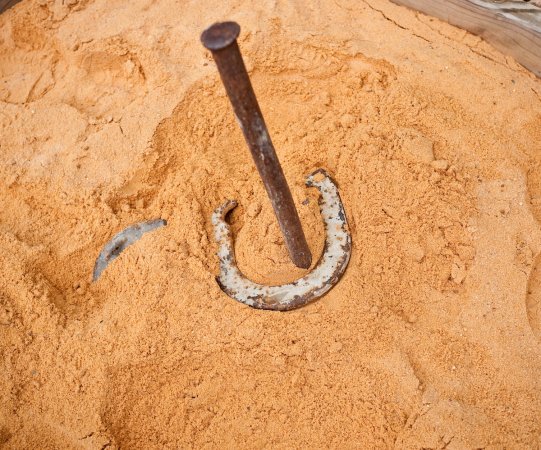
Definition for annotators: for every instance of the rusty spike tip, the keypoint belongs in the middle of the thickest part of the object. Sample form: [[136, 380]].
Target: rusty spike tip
[[220, 35]]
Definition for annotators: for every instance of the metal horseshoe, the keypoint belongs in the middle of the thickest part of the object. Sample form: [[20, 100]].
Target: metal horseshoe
[[320, 280]]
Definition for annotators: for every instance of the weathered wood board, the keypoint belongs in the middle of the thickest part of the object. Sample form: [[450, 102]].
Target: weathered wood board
[[513, 27]]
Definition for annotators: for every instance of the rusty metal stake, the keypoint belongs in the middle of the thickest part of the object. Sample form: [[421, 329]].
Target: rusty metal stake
[[221, 40]]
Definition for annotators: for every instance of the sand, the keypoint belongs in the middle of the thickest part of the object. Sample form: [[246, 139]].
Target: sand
[[112, 113]]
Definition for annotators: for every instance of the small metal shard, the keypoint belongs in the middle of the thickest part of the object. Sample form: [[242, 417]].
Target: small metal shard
[[319, 281], [120, 241]]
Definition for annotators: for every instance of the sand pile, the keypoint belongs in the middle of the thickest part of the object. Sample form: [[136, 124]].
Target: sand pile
[[112, 113]]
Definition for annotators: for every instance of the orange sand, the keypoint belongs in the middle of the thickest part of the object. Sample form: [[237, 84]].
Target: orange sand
[[112, 112]]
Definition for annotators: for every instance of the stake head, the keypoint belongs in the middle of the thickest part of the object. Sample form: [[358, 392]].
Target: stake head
[[220, 35]]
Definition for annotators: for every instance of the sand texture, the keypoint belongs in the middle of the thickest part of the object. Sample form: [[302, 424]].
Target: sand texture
[[112, 112]]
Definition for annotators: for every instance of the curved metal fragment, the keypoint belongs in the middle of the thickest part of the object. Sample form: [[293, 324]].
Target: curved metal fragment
[[321, 279], [120, 241]]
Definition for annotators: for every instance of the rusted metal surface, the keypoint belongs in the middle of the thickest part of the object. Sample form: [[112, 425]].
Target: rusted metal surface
[[120, 241], [6, 4], [220, 39], [320, 280]]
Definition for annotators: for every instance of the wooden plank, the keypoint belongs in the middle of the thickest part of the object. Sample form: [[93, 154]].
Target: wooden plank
[[513, 27]]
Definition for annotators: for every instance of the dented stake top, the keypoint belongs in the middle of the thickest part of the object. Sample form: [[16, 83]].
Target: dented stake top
[[220, 35], [221, 40]]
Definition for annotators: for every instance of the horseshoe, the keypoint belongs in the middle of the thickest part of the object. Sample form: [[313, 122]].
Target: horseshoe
[[120, 241], [315, 284]]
